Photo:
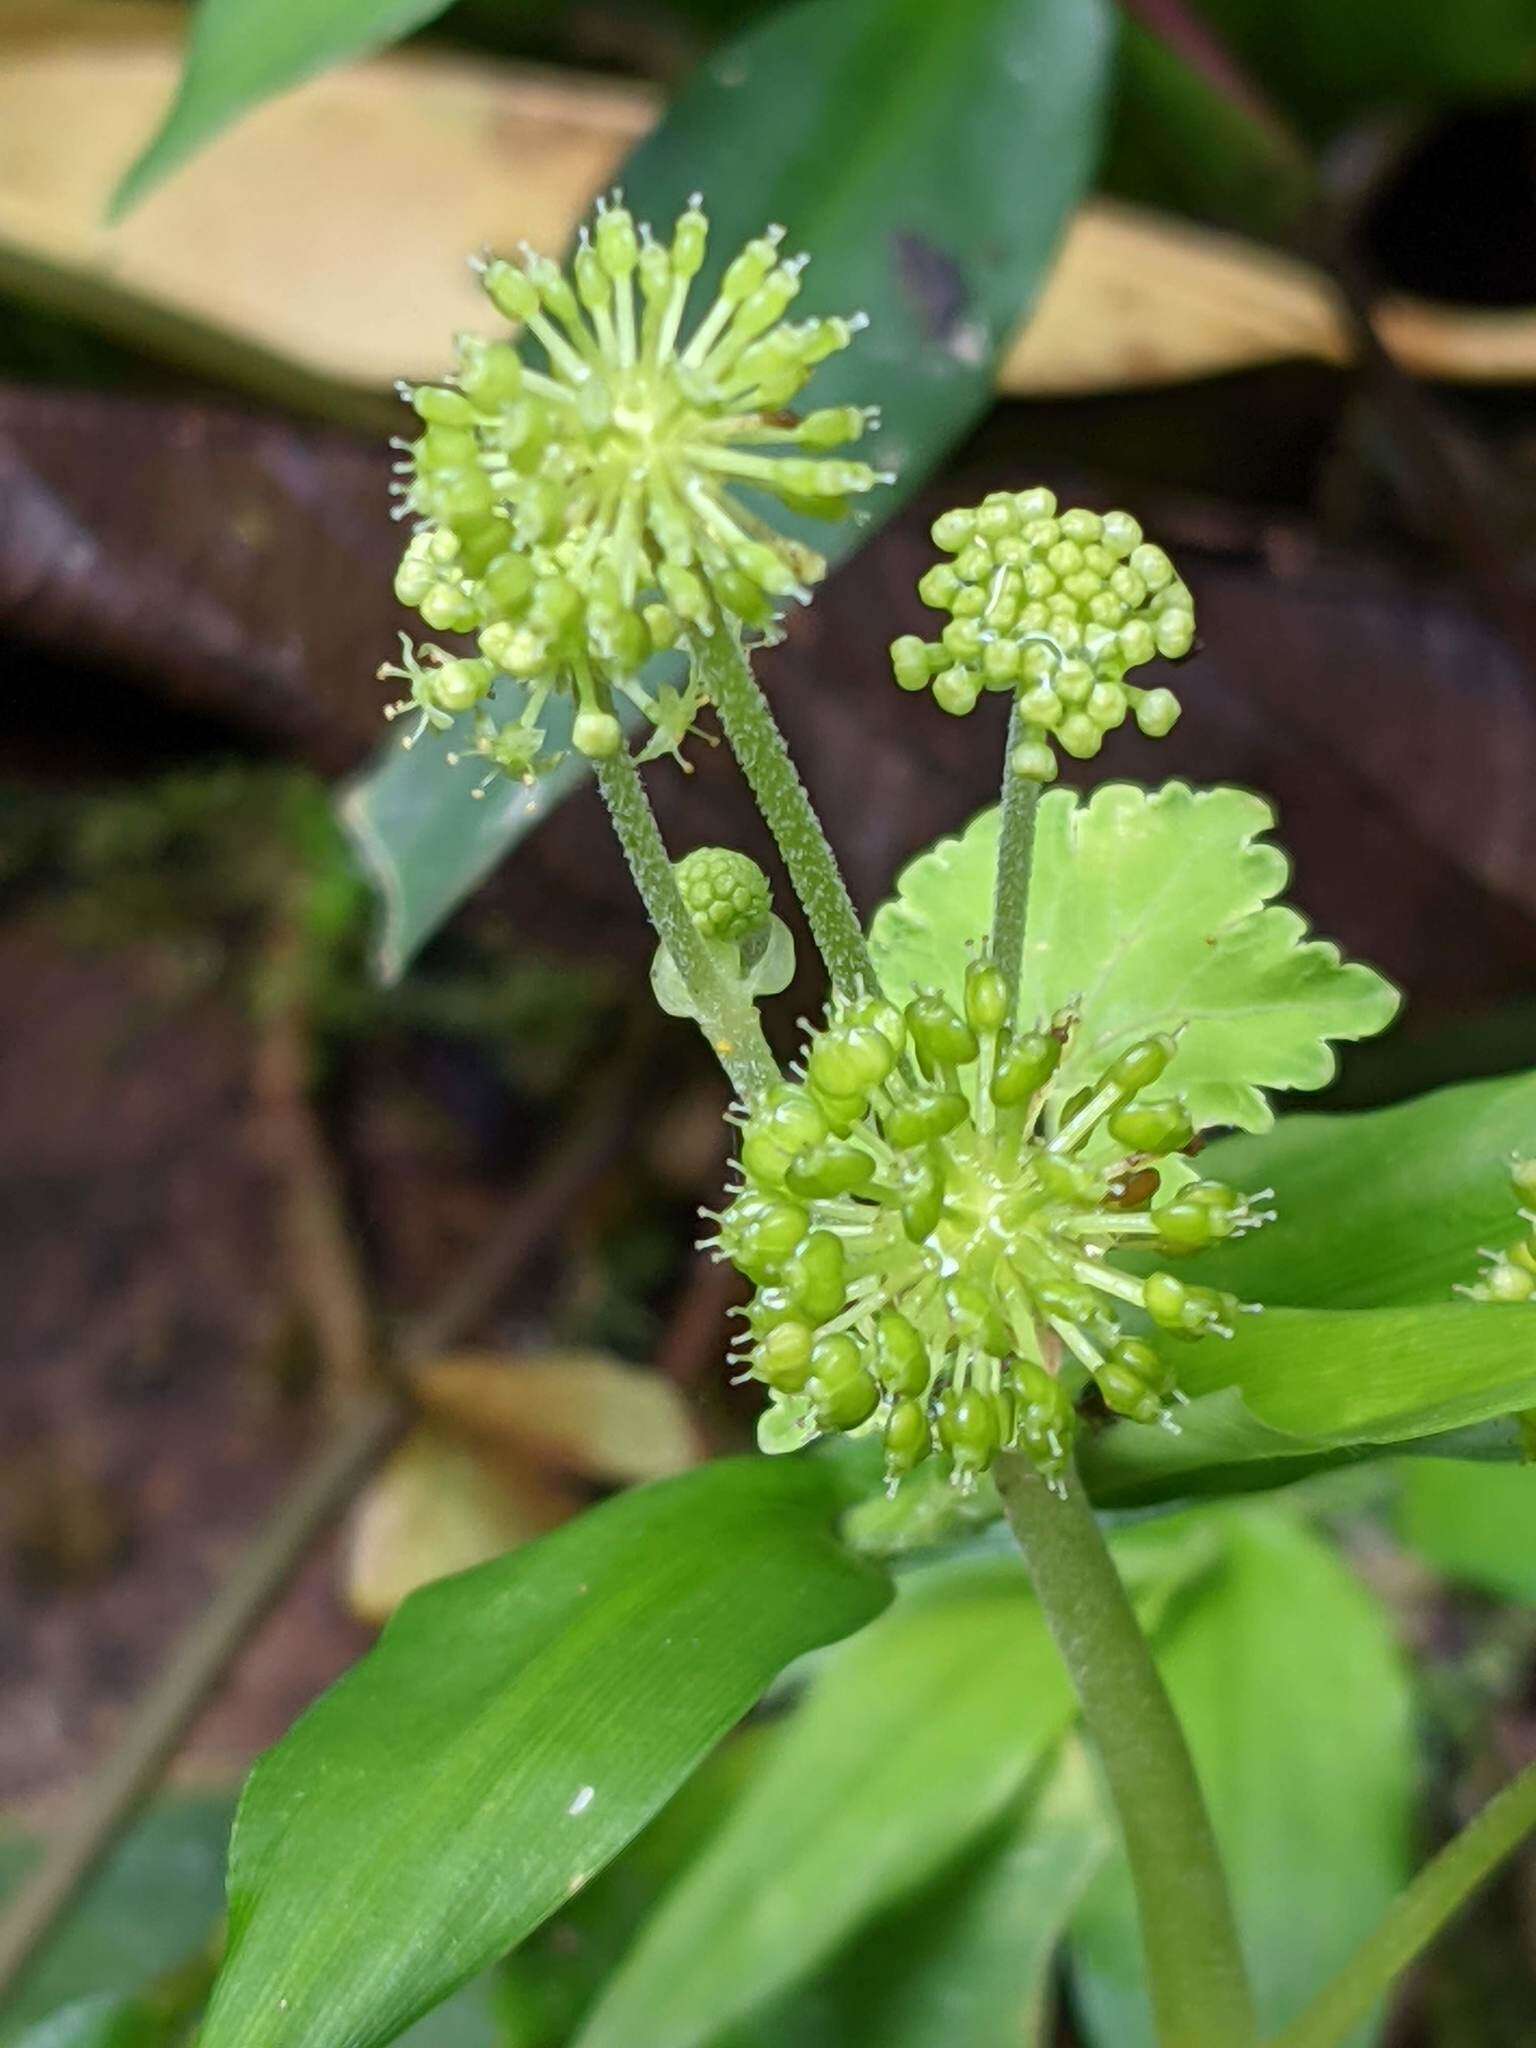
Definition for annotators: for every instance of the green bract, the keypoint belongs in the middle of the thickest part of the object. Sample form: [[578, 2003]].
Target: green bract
[[1055, 607], [579, 515], [1149, 912]]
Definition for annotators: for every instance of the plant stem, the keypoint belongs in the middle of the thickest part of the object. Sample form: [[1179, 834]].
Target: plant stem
[[1412, 1921], [1015, 856], [758, 745], [727, 1017], [1195, 1969]]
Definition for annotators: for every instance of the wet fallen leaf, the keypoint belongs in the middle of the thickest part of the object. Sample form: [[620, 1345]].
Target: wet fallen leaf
[[440, 1505], [573, 1412], [423, 156], [498, 1460]]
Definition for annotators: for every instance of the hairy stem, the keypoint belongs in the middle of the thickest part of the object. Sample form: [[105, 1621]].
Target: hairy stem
[[1015, 856], [1411, 1922], [759, 747], [728, 1017], [1195, 1969]]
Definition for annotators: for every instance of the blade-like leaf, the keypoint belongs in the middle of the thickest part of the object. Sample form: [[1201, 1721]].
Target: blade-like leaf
[[1475, 1523], [1296, 1706], [971, 1967], [1297, 1388], [913, 1741], [154, 1903], [1378, 1209], [927, 158], [1148, 913], [243, 51], [513, 1729], [1185, 138], [100, 2021]]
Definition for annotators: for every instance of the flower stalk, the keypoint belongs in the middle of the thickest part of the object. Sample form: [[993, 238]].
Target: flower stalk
[[1195, 1969], [756, 741], [728, 1017], [1015, 857]]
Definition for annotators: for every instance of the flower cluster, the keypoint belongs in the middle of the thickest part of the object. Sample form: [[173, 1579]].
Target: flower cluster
[[726, 893], [579, 514], [1057, 607], [928, 1219], [1510, 1275]]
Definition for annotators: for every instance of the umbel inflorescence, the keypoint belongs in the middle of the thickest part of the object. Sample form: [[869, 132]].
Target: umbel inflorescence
[[1057, 607], [580, 512], [930, 1217]]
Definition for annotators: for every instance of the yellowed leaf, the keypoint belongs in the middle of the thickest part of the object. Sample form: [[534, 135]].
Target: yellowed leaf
[[441, 1505], [316, 249], [1137, 298], [574, 1412]]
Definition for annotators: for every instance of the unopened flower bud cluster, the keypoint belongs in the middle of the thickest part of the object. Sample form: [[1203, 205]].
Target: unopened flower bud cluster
[[580, 513], [929, 1218], [1056, 607]]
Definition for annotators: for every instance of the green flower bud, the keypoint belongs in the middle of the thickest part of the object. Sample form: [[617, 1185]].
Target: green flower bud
[[828, 1169], [920, 1121], [1506, 1280], [907, 1438], [815, 1276], [847, 1405], [901, 1357], [911, 662], [986, 998], [1126, 1393], [968, 1429], [597, 734], [940, 1036], [1152, 1127], [1033, 761], [783, 1356], [726, 893], [850, 1062], [1025, 1063], [1141, 1064]]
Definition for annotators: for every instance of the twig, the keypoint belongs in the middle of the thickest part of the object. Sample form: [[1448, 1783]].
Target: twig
[[367, 1426], [316, 1244]]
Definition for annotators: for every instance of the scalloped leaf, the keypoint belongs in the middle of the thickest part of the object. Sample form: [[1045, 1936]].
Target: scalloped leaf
[[1149, 912]]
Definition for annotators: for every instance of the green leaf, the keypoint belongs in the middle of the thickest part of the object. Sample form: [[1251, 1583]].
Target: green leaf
[[1475, 1523], [155, 1902], [243, 51], [100, 2021], [514, 1728], [1326, 64], [969, 1963], [1379, 1209], [424, 843], [1297, 1388], [1181, 137], [927, 158], [913, 1741], [1297, 1709], [1148, 913]]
